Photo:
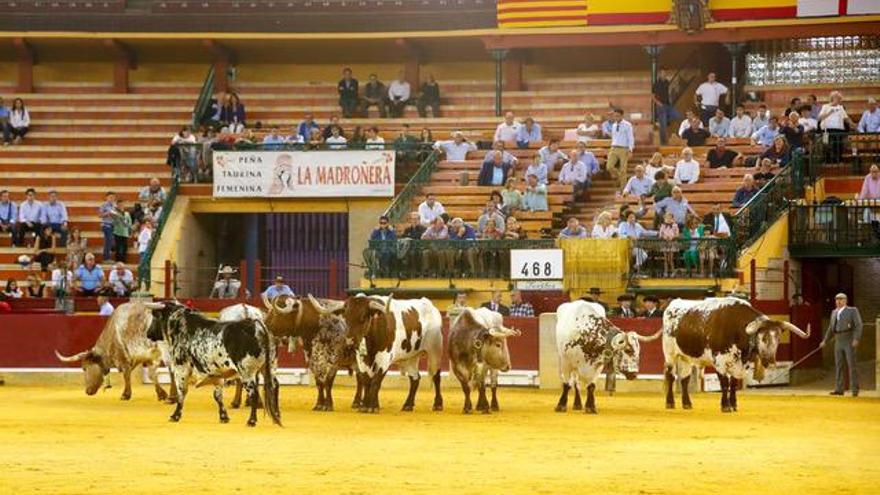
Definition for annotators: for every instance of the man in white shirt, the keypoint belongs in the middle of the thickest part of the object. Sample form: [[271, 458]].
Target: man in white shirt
[[398, 95], [104, 306], [686, 123], [719, 125], [740, 124], [588, 130], [639, 184], [121, 280], [622, 144], [761, 118], [687, 170], [62, 280], [374, 140], [457, 149], [574, 172], [870, 121], [145, 236], [507, 130], [430, 209], [806, 120], [709, 96], [833, 119]]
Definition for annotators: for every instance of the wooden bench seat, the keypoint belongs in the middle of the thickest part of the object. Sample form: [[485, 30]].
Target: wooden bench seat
[[484, 191]]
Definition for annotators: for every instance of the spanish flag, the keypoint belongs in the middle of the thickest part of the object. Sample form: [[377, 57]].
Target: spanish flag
[[541, 13]]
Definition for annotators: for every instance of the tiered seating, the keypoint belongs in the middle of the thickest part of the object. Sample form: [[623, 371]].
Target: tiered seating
[[777, 98]]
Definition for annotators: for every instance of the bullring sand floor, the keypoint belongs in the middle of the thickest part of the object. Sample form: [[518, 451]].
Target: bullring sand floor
[[55, 440]]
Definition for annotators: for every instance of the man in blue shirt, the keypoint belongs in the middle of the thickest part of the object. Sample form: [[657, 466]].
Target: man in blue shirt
[[385, 253], [306, 126], [90, 276], [528, 133], [8, 216], [105, 211], [55, 216], [622, 144], [765, 135], [870, 121], [279, 288]]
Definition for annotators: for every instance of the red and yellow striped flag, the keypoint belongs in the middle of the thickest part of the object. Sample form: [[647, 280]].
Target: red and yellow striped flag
[[541, 13]]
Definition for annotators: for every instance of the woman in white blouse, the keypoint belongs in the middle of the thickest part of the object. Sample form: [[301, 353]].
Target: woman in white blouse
[[19, 120], [604, 228], [687, 170], [587, 130]]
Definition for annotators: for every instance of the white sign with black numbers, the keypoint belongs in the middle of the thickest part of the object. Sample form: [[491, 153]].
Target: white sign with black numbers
[[536, 264]]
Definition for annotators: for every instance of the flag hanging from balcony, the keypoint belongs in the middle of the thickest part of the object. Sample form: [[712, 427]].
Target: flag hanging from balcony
[[541, 13]]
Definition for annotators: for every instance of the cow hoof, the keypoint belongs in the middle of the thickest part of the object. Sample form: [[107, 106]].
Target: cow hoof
[[174, 418], [372, 410], [437, 407], [561, 408], [125, 397], [356, 405], [670, 406], [577, 407], [161, 396], [734, 408], [252, 423], [224, 419], [495, 408], [328, 408], [726, 409], [687, 406], [485, 411], [590, 410], [318, 407], [235, 405], [465, 411], [171, 400], [407, 408]]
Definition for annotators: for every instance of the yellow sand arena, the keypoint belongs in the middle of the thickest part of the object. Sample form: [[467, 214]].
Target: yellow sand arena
[[56, 440]]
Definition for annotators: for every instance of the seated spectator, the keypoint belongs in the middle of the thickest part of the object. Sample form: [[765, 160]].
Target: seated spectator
[[437, 230], [316, 140], [604, 227], [30, 211], [459, 304], [215, 108], [491, 232], [739, 161], [508, 157], [460, 231], [429, 97], [669, 233], [384, 232], [871, 184], [414, 229], [588, 130], [529, 132], [226, 286], [624, 307], [20, 121], [495, 304], [717, 222], [336, 141], [54, 216], [399, 92], [719, 124], [494, 171], [540, 170], [104, 306], [294, 139], [761, 118], [488, 215], [44, 248], [655, 164], [587, 157], [631, 229], [375, 95], [514, 230], [12, 291], [507, 130], [720, 156], [662, 187], [496, 199], [36, 288], [374, 140], [328, 129], [273, 139], [794, 106], [430, 209], [550, 155], [573, 230], [121, 230], [144, 237], [90, 277], [870, 121], [764, 136], [187, 166], [437, 261], [304, 129], [8, 216], [779, 153], [279, 288], [348, 93], [426, 136], [695, 134], [807, 121], [746, 192], [695, 254], [121, 280], [574, 172], [535, 197], [232, 115], [793, 131], [511, 197], [765, 175], [457, 149], [76, 247], [152, 193], [675, 204], [639, 184], [62, 279], [740, 124], [518, 307], [689, 116], [687, 170]]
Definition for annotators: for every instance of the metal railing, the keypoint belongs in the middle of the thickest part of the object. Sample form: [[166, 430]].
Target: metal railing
[[771, 201], [842, 154], [201, 106], [705, 257], [402, 204], [144, 272], [846, 229]]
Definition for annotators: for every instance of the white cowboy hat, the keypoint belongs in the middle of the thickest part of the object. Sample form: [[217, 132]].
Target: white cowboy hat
[[226, 270]]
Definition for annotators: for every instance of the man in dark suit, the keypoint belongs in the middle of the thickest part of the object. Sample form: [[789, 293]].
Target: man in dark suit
[[845, 328], [495, 304], [718, 222], [624, 308], [494, 171], [651, 310], [348, 93]]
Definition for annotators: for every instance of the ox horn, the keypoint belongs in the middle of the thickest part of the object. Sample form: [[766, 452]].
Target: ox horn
[[266, 303], [388, 304], [318, 306], [618, 341], [154, 305], [503, 332], [797, 331], [72, 359], [377, 305], [649, 338], [289, 304]]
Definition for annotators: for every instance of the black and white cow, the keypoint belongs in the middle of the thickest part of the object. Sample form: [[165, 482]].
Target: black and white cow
[[211, 351]]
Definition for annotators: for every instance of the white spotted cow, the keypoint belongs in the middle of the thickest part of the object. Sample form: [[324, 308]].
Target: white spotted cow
[[238, 312]]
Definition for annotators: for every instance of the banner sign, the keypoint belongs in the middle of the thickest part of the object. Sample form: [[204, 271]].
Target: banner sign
[[303, 174]]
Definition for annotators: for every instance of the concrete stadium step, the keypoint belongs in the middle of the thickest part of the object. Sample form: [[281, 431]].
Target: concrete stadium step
[[9, 256], [131, 139], [94, 241], [154, 167], [119, 162], [168, 128], [57, 180], [101, 114]]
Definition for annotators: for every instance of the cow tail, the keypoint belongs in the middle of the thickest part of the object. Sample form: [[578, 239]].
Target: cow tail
[[269, 386]]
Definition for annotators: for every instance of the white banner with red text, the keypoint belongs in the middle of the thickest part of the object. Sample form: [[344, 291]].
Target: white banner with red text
[[303, 174]]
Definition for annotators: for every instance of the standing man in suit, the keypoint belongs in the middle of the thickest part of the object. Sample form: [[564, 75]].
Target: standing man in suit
[[495, 304], [846, 329], [651, 309], [348, 93], [624, 309]]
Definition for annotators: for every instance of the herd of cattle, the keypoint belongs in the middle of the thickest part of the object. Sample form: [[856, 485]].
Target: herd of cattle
[[366, 335]]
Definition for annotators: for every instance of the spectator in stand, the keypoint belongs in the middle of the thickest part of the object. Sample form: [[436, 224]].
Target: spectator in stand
[[815, 106], [430, 209], [374, 140], [529, 132], [514, 230], [215, 109], [232, 116], [494, 171], [459, 304], [426, 136], [871, 184], [765, 175], [719, 124], [437, 259], [507, 130], [121, 229], [675, 204], [709, 96], [491, 233], [717, 222], [76, 247], [535, 198], [304, 129], [328, 129], [794, 105], [833, 119], [429, 97], [762, 117], [464, 258], [490, 214], [104, 306], [622, 144], [764, 136], [399, 93], [61, 281], [8, 216], [573, 230], [457, 149], [4, 123], [588, 130], [793, 131], [550, 156], [406, 144], [631, 229], [669, 233], [30, 212], [740, 124], [624, 307], [587, 157], [604, 227], [508, 157], [152, 193], [651, 309], [90, 277], [518, 307], [694, 255], [12, 290], [36, 288], [695, 134], [144, 237], [188, 153], [511, 197], [809, 123], [226, 286], [496, 198], [745, 192], [495, 304], [655, 164], [720, 156], [45, 245], [870, 121], [357, 139], [121, 280], [19, 121], [662, 187], [575, 173], [273, 139], [666, 112], [336, 141], [348, 93], [460, 231], [54, 216], [385, 254], [779, 153], [689, 117], [639, 184], [414, 229], [687, 170], [375, 95]]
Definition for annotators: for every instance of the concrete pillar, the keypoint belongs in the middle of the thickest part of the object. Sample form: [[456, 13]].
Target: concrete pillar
[[499, 56], [736, 50], [26, 61], [654, 53], [513, 72]]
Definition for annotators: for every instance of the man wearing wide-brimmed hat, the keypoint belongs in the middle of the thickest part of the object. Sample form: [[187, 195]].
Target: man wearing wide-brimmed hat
[[226, 286], [846, 329]]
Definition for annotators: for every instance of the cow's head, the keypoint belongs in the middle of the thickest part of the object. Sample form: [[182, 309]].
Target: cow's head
[[362, 313], [94, 365], [490, 344], [626, 347], [163, 316], [766, 333], [283, 315]]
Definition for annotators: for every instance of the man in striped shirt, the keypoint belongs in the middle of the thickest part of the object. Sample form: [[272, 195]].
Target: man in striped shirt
[[518, 307]]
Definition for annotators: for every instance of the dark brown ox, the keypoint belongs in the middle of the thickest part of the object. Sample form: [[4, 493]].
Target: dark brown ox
[[726, 333], [477, 347], [123, 344]]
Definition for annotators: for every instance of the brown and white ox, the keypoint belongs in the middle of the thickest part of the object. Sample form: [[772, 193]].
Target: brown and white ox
[[390, 332], [477, 350], [317, 322], [123, 344], [726, 333]]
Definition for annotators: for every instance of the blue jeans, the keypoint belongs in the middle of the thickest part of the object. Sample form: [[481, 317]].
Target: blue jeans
[[665, 115], [109, 240], [62, 232]]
